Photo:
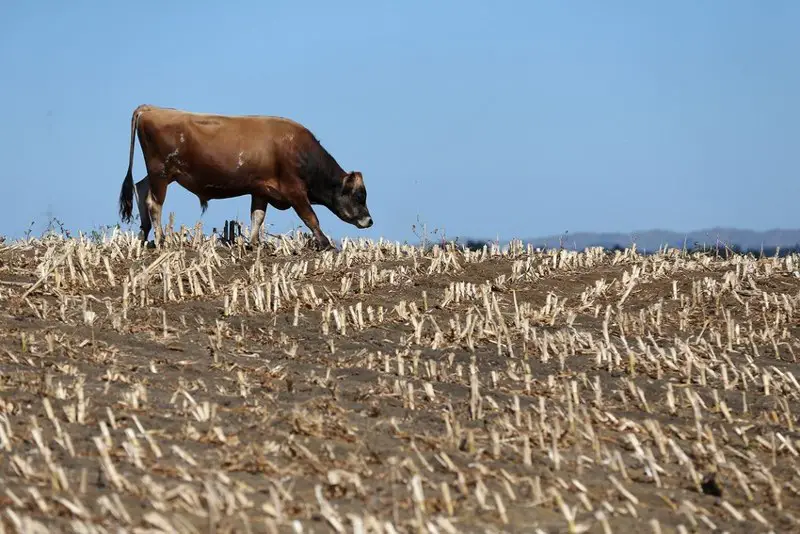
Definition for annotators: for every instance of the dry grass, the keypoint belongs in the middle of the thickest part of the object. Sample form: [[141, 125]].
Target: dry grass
[[383, 388]]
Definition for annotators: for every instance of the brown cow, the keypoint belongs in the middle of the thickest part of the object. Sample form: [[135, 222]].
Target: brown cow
[[274, 160]]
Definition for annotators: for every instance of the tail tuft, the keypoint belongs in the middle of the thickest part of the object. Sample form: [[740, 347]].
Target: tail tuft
[[126, 198]]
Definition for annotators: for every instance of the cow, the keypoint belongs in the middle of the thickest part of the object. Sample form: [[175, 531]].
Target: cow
[[275, 160]]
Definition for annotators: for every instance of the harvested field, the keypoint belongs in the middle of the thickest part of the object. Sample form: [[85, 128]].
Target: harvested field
[[387, 388]]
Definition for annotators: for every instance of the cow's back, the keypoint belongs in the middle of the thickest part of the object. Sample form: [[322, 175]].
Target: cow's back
[[209, 124]]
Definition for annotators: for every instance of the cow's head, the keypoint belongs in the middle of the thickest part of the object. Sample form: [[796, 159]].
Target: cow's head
[[350, 201]]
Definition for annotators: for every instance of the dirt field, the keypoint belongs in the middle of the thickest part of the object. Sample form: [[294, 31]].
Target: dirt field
[[380, 388]]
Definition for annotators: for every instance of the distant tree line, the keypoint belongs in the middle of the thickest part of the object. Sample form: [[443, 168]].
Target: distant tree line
[[717, 249]]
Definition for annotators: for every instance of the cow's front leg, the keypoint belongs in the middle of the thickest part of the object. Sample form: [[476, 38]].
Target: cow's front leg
[[258, 210], [142, 190], [303, 208]]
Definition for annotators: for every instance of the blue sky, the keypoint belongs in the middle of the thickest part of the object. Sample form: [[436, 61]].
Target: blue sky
[[509, 119]]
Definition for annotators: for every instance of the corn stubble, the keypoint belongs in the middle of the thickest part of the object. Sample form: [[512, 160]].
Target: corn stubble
[[386, 388]]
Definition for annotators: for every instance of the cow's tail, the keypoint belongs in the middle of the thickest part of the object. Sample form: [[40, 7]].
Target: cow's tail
[[126, 194]]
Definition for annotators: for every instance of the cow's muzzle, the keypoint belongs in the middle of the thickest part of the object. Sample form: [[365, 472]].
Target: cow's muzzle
[[364, 222]]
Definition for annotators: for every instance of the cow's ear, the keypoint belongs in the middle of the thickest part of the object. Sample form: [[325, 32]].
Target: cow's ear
[[349, 181]]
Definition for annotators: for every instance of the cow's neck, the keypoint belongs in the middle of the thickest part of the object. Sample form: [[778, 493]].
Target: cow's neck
[[322, 190], [323, 176]]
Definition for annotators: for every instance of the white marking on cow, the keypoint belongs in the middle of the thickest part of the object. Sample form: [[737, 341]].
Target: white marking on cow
[[240, 161], [173, 156], [364, 222], [182, 139]]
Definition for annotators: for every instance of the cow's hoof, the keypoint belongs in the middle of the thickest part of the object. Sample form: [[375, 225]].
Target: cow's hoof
[[323, 246]]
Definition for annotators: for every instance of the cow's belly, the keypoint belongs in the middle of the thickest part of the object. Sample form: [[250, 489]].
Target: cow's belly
[[220, 186], [210, 186]]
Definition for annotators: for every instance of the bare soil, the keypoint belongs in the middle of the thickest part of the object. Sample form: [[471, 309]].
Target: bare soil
[[386, 388]]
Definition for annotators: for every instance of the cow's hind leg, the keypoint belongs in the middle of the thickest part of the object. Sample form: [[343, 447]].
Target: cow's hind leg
[[142, 190], [258, 210], [155, 201]]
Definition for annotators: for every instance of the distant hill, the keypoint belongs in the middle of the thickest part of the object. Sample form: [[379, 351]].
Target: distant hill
[[651, 240]]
